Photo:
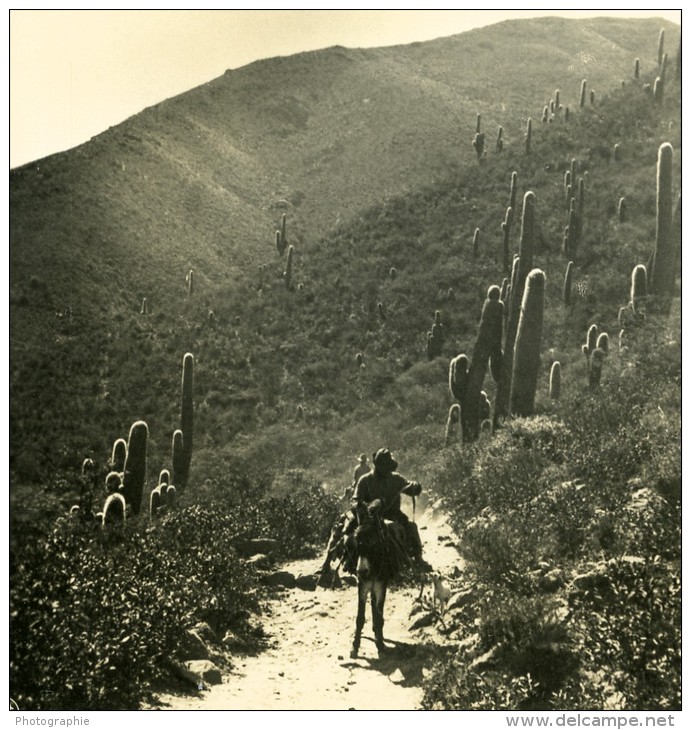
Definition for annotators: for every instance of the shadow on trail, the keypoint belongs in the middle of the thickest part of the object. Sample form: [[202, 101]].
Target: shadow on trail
[[404, 663]]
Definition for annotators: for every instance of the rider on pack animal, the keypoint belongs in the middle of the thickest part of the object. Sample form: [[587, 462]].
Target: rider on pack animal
[[378, 492]]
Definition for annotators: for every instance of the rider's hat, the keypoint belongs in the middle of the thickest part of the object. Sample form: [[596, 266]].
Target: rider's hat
[[362, 458], [384, 461]]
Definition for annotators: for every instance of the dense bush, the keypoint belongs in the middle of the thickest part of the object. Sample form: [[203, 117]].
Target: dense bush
[[95, 615], [590, 495]]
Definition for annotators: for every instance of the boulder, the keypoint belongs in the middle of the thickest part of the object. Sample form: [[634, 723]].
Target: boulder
[[206, 633], [234, 643], [192, 646], [460, 599], [207, 671], [329, 580], [255, 546], [260, 561], [552, 581], [279, 578], [306, 582]]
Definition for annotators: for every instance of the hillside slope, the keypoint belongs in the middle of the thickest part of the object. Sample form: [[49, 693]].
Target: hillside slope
[[199, 181]]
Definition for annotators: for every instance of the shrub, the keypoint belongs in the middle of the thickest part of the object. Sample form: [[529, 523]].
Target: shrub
[[96, 615], [633, 624]]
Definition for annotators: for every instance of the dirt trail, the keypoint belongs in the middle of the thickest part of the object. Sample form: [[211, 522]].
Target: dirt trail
[[307, 665]]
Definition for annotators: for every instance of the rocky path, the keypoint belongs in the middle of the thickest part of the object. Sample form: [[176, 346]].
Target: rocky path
[[307, 664]]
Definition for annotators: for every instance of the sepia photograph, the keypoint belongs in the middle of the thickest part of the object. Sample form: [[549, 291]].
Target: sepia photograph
[[344, 364]]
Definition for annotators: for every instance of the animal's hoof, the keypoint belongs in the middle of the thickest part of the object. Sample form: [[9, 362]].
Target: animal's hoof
[[353, 653], [381, 647]]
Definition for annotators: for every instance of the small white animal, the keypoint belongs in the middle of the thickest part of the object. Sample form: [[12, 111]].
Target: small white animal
[[442, 592]]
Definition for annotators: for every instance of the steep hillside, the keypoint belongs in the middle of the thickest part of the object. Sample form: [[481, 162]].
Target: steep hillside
[[200, 181], [568, 521]]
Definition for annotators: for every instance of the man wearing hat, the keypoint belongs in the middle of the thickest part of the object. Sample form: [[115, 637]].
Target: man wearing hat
[[360, 470], [379, 491]]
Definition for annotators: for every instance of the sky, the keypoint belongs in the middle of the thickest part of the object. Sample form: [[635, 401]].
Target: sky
[[75, 73]]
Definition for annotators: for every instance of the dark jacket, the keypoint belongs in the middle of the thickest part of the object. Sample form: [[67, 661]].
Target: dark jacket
[[386, 488]]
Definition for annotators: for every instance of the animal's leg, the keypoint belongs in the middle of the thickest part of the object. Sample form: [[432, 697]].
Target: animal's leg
[[362, 591], [422, 588], [378, 599]]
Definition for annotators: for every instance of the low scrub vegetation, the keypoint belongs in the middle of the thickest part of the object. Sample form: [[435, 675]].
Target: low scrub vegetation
[[98, 615], [571, 531]]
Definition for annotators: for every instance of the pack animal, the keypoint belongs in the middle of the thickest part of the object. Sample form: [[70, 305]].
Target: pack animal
[[380, 556]]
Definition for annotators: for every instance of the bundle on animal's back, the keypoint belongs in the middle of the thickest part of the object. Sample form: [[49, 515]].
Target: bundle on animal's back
[[381, 544]]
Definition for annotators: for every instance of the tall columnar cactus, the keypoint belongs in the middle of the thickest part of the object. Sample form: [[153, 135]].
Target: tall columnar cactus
[[284, 239], [592, 98], [135, 466], [393, 273], [454, 432], [621, 210], [663, 69], [676, 231], [545, 115], [526, 361], [288, 273], [279, 243], [522, 265], [117, 459], [555, 380], [504, 291], [164, 477], [639, 289], [513, 193], [557, 105], [479, 144], [662, 276], [506, 231], [435, 338], [568, 282], [476, 242], [155, 502], [637, 68], [500, 140], [458, 377], [478, 123], [566, 114], [187, 416], [178, 457], [569, 195], [114, 510], [591, 342], [658, 91], [485, 409], [190, 282], [603, 342], [571, 237], [616, 152], [528, 135], [573, 168], [583, 88], [567, 183], [660, 47], [114, 482], [487, 352], [145, 307], [597, 359]]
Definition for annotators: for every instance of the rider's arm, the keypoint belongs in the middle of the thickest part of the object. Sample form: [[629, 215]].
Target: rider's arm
[[361, 495], [412, 489]]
